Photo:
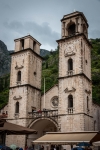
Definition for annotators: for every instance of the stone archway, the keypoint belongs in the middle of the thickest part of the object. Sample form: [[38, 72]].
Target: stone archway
[[42, 125]]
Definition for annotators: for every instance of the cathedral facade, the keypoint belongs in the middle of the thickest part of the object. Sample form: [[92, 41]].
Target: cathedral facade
[[65, 107]]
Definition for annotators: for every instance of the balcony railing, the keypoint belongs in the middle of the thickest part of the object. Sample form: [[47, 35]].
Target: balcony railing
[[40, 114], [16, 115], [70, 72], [70, 110]]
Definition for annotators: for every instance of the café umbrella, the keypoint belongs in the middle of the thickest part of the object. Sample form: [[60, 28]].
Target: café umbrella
[[7, 128], [10, 128]]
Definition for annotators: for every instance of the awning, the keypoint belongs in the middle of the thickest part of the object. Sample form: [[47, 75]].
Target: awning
[[96, 143], [10, 128], [66, 138]]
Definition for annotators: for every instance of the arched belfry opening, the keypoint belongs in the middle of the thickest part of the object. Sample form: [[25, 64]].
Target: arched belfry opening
[[70, 64], [19, 76], [17, 107], [71, 29], [70, 101]]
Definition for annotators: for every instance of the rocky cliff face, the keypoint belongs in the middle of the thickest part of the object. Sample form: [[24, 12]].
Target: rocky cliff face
[[5, 59], [44, 52]]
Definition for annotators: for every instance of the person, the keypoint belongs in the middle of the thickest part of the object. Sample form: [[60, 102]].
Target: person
[[54, 148], [20, 148], [26, 147], [39, 111], [42, 147], [17, 148]]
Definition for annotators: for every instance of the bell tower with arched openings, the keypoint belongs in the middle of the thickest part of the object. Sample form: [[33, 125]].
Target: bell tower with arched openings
[[25, 83], [75, 88]]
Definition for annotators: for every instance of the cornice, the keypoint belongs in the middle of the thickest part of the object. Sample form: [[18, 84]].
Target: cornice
[[25, 50]]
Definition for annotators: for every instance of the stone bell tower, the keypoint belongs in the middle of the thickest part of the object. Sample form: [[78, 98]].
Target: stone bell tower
[[75, 89], [25, 82]]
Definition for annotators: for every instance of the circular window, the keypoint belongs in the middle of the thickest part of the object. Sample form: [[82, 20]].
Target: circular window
[[55, 101]]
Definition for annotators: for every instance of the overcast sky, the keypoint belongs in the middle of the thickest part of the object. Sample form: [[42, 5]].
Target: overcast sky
[[41, 19]]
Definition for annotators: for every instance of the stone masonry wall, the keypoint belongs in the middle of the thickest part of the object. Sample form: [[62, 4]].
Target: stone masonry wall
[[30, 67], [73, 48], [48, 97]]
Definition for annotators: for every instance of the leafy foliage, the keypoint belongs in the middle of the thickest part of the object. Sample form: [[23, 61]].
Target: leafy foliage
[[96, 70], [50, 70], [4, 90]]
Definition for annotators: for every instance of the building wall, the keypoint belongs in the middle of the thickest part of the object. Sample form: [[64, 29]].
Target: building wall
[[28, 43], [76, 86], [18, 140], [48, 98], [77, 49], [26, 90], [79, 21], [71, 123], [30, 67], [75, 77], [96, 117], [27, 98]]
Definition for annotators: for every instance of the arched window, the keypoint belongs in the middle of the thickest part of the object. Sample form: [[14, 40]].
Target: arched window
[[19, 76], [70, 101], [17, 107], [71, 29], [70, 64]]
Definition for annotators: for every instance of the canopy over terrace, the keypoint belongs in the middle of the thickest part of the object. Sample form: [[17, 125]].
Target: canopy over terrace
[[68, 137]]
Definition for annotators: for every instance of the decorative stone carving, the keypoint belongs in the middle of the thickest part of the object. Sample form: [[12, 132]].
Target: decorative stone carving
[[87, 91], [17, 98], [72, 90], [17, 67], [69, 53], [55, 101]]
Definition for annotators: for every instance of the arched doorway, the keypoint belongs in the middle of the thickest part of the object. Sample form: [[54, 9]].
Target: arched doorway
[[42, 125]]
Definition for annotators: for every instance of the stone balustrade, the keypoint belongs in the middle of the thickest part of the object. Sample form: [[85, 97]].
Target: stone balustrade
[[70, 72], [70, 110], [45, 113]]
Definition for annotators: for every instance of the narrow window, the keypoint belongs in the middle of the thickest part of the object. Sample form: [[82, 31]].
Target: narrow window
[[17, 107], [19, 76], [87, 102], [71, 29], [94, 125], [22, 44], [70, 101], [34, 45], [70, 64]]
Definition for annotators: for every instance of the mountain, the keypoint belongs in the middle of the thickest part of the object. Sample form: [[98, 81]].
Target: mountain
[[44, 52], [5, 59]]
